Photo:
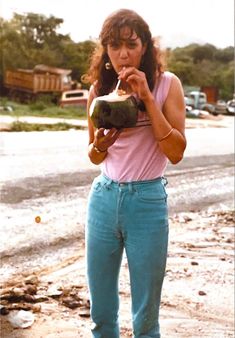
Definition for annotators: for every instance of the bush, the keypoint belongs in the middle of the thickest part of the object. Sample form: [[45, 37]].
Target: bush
[[40, 108], [23, 126]]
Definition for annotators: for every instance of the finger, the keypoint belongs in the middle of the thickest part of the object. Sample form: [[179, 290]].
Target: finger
[[127, 71], [116, 135], [100, 132], [134, 78], [112, 132], [112, 135], [114, 138]]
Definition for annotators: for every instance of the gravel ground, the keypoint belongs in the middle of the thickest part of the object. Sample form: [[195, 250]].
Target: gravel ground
[[42, 175]]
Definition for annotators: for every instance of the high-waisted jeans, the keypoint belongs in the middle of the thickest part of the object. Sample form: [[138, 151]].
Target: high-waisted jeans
[[131, 216]]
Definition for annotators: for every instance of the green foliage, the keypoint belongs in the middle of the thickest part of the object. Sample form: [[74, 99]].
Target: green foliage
[[203, 52], [41, 109], [23, 126], [31, 39], [39, 105], [77, 57], [204, 65], [68, 112], [224, 55]]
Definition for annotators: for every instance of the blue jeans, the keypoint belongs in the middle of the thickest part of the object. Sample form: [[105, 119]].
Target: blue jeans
[[131, 216]]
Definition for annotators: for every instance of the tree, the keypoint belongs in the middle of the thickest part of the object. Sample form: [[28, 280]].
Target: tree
[[38, 30], [225, 55], [203, 52], [204, 65]]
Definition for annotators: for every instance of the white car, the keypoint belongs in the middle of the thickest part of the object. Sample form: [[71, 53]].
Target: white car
[[231, 107], [76, 97]]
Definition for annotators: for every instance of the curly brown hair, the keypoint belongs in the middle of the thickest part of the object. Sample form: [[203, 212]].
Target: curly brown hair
[[151, 63]]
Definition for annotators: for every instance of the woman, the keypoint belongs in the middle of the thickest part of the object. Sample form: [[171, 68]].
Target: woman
[[127, 206]]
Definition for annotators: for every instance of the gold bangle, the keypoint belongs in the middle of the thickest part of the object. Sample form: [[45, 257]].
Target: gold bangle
[[168, 134], [98, 150]]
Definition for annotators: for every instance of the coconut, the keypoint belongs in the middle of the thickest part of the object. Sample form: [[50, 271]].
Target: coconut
[[114, 111]]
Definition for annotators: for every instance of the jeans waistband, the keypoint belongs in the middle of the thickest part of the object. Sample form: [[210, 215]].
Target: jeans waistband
[[108, 181]]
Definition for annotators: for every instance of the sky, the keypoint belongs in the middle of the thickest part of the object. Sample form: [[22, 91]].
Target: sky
[[177, 22]]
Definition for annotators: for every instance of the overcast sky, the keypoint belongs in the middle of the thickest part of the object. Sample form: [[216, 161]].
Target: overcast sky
[[178, 22]]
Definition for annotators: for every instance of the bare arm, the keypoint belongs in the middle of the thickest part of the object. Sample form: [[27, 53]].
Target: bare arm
[[169, 123], [171, 116]]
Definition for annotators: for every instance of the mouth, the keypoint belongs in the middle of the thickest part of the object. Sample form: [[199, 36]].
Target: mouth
[[123, 66]]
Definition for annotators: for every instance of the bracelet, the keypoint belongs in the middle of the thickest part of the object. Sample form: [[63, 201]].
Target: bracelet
[[168, 134], [98, 150]]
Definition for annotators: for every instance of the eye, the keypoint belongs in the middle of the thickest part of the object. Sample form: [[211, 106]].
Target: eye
[[114, 45], [131, 44]]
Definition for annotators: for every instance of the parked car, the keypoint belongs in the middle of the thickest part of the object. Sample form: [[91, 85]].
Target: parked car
[[77, 97], [231, 107], [196, 113], [198, 100], [221, 107]]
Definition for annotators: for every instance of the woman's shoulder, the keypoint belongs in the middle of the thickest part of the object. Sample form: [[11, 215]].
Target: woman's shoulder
[[164, 81], [167, 79], [163, 85], [167, 75]]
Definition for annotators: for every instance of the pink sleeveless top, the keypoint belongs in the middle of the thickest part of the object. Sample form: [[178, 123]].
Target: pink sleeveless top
[[136, 156]]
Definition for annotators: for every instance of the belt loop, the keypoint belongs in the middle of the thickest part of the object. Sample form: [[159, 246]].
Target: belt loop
[[164, 181], [108, 182], [130, 186]]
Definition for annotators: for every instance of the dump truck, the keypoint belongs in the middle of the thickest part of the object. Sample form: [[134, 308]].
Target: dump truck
[[28, 83]]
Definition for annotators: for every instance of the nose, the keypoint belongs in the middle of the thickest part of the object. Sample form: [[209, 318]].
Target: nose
[[123, 52]]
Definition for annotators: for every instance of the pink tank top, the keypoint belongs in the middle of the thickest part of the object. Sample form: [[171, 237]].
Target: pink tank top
[[136, 156]]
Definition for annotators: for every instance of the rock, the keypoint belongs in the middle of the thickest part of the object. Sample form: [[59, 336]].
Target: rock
[[84, 312], [194, 263], [40, 298], [202, 293], [31, 280], [54, 292], [24, 306], [29, 298], [21, 319], [36, 308], [17, 292], [3, 310], [71, 303], [30, 289]]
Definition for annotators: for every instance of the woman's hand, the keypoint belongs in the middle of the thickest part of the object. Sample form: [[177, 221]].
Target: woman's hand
[[103, 141], [136, 79]]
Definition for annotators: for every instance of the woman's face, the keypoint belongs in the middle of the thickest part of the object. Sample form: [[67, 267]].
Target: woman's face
[[126, 52]]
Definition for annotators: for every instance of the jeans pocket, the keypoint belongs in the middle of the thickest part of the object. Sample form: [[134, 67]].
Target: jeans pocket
[[152, 194], [98, 185]]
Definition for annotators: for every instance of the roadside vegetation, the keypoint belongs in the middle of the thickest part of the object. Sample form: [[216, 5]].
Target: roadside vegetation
[[23, 126], [40, 109]]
